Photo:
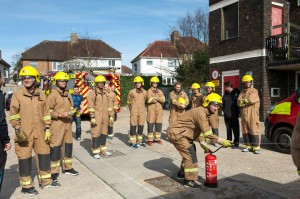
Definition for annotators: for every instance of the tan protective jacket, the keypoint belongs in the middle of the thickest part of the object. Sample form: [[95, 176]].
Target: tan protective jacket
[[175, 109], [196, 100], [249, 112], [295, 145], [136, 100], [99, 108], [193, 123], [155, 101], [60, 102], [30, 112], [112, 102]]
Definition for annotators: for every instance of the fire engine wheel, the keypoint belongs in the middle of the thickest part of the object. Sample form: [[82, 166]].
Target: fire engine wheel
[[282, 138]]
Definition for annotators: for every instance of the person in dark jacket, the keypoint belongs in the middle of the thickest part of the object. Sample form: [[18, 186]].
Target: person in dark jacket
[[231, 113], [4, 138]]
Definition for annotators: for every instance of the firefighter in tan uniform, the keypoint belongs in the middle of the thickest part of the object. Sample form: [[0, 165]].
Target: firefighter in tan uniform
[[113, 107], [101, 116], [295, 145], [213, 119], [249, 102], [178, 102], [197, 97], [62, 111], [31, 119], [136, 100], [155, 101], [191, 126]]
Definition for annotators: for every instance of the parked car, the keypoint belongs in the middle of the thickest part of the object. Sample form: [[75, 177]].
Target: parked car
[[7, 101], [281, 121]]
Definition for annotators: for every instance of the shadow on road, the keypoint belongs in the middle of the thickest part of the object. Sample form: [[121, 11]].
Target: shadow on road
[[86, 144], [122, 137]]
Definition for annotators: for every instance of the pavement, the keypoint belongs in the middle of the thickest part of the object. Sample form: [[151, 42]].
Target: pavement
[[150, 172]]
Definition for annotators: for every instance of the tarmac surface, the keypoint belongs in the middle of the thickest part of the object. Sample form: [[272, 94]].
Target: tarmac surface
[[151, 172]]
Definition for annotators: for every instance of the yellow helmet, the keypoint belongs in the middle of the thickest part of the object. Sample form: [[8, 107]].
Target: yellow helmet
[[195, 86], [210, 84], [100, 79], [213, 98], [154, 80], [30, 71], [181, 100], [138, 79], [247, 78], [61, 76]]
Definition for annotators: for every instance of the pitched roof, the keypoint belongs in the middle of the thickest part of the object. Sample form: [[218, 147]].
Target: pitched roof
[[4, 63], [125, 69], [64, 50], [168, 50]]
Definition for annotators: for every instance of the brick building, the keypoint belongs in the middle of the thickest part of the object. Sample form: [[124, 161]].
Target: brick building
[[60, 55], [250, 37]]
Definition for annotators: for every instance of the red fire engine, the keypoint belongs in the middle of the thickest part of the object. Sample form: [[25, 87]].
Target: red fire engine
[[84, 80]]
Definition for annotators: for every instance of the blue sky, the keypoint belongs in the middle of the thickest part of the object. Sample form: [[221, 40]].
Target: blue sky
[[129, 26]]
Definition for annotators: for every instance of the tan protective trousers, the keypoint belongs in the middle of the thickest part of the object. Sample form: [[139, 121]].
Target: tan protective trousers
[[187, 150], [61, 145], [42, 157]]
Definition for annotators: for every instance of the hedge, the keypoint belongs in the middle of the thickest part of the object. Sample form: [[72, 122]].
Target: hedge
[[127, 84]]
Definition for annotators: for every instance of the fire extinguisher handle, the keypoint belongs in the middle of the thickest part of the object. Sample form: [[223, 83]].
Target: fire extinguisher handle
[[216, 150]]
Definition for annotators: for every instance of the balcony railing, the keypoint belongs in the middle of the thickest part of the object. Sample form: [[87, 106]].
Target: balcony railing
[[283, 49]]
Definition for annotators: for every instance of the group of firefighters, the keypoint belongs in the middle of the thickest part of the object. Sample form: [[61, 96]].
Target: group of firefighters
[[200, 124], [44, 124]]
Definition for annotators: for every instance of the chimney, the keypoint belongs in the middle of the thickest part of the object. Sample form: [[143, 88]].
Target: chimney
[[0, 55], [174, 37], [74, 38]]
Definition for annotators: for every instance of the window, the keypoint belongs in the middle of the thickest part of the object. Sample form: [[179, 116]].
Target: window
[[149, 63], [33, 63], [171, 63], [57, 66], [111, 62], [230, 21], [275, 92], [135, 68]]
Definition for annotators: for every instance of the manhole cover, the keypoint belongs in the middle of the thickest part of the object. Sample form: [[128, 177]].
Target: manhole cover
[[115, 153], [165, 184]]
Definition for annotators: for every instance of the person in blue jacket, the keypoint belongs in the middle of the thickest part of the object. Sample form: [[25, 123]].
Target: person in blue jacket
[[77, 99]]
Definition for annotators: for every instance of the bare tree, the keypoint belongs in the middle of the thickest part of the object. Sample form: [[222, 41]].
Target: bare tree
[[83, 49], [194, 25]]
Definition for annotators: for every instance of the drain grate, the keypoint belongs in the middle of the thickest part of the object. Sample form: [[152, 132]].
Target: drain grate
[[165, 184], [115, 153]]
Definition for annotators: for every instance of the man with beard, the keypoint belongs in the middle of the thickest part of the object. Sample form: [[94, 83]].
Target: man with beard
[[178, 102], [31, 120]]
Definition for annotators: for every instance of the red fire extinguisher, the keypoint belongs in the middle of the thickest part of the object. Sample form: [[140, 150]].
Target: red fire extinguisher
[[211, 170]]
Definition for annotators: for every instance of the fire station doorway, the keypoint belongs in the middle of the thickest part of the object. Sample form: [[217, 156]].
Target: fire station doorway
[[233, 76]]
